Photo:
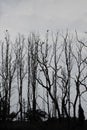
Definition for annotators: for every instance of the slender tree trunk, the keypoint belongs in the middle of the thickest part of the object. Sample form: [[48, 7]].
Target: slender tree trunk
[[29, 77]]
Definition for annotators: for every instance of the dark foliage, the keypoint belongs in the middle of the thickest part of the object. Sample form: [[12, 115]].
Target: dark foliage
[[37, 115]]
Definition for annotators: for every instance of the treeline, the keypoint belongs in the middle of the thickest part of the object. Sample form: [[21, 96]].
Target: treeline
[[53, 70]]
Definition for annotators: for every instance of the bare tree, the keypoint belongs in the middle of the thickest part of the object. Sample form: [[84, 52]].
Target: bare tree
[[68, 63], [81, 75], [21, 71], [46, 69], [29, 74], [33, 42], [7, 73]]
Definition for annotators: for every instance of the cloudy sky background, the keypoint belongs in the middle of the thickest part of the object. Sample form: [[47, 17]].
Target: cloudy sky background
[[25, 16]]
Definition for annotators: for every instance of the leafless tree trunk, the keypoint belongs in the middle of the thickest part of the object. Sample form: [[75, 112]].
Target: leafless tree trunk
[[81, 76], [33, 67], [21, 72], [45, 66], [7, 73], [64, 81], [29, 75], [68, 59]]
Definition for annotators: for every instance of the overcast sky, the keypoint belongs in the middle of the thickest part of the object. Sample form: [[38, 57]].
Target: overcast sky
[[39, 15]]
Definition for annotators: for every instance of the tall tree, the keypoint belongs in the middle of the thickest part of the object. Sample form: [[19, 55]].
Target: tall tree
[[68, 62], [33, 65], [21, 71]]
